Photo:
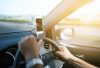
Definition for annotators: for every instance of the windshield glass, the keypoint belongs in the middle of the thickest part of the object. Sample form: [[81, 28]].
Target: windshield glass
[[27, 7], [82, 27], [89, 12]]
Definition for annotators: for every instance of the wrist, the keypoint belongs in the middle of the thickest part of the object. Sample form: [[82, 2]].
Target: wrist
[[30, 57], [71, 57], [34, 63]]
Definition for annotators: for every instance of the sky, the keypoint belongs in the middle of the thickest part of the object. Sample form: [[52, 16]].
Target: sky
[[27, 7], [43, 7]]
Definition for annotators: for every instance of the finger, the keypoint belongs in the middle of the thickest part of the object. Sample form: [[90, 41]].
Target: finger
[[57, 53], [26, 37], [63, 47], [22, 40], [40, 41], [32, 37]]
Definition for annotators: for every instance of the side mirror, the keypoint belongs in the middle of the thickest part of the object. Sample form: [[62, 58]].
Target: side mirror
[[64, 33], [67, 33]]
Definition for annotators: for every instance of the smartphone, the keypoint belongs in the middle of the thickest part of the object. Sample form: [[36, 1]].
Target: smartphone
[[39, 24]]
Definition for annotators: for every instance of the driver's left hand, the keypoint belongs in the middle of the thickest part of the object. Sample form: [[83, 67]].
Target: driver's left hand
[[30, 47]]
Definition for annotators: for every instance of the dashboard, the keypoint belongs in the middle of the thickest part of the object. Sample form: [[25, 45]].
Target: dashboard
[[8, 52], [9, 38], [10, 35]]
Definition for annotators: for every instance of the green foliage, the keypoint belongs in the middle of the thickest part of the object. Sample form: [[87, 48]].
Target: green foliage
[[16, 20]]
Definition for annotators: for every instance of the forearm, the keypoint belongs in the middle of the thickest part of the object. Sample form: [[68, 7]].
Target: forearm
[[80, 63]]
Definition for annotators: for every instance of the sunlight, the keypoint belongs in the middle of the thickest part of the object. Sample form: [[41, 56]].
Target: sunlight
[[87, 13]]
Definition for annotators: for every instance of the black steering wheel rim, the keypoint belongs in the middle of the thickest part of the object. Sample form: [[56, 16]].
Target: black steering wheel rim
[[18, 54]]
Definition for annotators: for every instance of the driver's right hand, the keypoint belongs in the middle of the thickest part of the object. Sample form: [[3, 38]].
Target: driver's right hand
[[64, 53]]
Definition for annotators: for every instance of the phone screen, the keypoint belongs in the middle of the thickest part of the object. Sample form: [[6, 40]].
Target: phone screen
[[39, 24]]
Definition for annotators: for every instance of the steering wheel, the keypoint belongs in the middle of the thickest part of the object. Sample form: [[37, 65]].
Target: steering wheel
[[49, 56]]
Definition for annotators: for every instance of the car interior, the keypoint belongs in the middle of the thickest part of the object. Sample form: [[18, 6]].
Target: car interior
[[59, 27]]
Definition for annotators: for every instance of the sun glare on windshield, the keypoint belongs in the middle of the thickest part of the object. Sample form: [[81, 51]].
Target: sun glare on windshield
[[90, 13]]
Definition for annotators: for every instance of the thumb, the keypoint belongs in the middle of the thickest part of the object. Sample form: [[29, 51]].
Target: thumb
[[57, 53], [40, 41]]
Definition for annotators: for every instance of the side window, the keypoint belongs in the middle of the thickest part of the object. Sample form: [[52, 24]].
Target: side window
[[67, 33], [64, 32]]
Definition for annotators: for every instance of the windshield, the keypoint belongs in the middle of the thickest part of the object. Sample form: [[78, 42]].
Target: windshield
[[27, 7], [88, 14], [82, 27]]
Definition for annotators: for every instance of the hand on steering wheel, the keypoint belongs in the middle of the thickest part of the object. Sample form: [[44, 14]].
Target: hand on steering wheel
[[30, 46]]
